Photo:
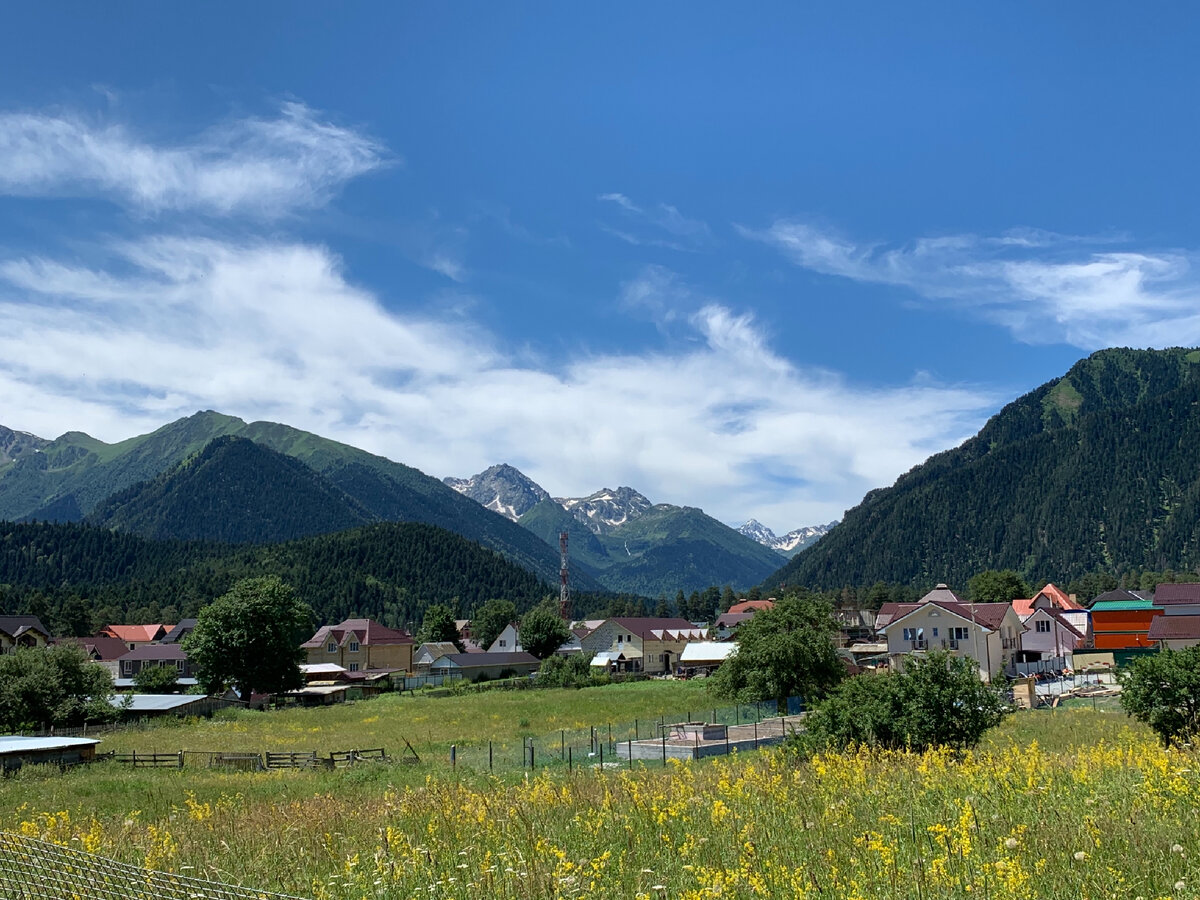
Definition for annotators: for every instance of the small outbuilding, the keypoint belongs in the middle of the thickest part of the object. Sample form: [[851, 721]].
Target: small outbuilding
[[17, 751]]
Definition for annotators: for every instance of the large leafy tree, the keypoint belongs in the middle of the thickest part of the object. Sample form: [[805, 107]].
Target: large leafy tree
[[157, 679], [783, 652], [491, 619], [938, 700], [438, 625], [994, 586], [542, 631], [250, 638], [53, 686], [1163, 690]]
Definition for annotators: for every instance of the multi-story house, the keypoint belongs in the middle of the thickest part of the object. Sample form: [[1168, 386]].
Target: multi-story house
[[22, 631], [1179, 625], [630, 644], [989, 634], [360, 644]]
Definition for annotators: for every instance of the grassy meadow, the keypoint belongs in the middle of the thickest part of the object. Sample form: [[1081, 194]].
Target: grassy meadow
[[1074, 803]]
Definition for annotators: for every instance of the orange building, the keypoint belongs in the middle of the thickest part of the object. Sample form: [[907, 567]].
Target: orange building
[[1121, 620]]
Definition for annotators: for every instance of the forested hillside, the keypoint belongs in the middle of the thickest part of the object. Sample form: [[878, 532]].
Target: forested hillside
[[78, 576], [236, 491], [1098, 470], [69, 478]]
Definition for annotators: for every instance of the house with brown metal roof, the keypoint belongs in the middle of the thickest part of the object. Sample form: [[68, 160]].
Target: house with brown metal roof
[[633, 644], [361, 644], [1174, 632], [987, 633]]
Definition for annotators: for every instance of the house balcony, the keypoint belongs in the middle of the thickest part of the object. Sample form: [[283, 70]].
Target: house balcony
[[920, 645], [952, 644]]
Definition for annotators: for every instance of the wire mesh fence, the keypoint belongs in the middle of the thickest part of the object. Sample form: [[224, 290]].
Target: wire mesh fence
[[36, 870], [747, 726]]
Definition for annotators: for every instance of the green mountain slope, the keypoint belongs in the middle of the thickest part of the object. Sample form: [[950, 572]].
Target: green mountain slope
[[233, 490], [1099, 469], [75, 575], [72, 475]]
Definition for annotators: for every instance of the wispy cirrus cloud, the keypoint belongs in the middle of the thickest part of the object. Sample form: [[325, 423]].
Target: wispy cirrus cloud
[[260, 167], [160, 327], [1043, 287], [660, 225]]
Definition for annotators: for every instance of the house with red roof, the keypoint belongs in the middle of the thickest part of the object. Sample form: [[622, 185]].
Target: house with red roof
[[135, 636], [989, 634], [360, 644]]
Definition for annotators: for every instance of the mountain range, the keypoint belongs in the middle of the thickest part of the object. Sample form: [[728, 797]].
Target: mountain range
[[629, 543], [1096, 471], [171, 483], [792, 542]]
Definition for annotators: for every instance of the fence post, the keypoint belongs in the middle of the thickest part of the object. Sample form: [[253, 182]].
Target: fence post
[[636, 733], [610, 743], [630, 751], [181, 759], [570, 761], [562, 743], [453, 756], [664, 747], [601, 757], [714, 718], [489, 756], [592, 749], [726, 741], [737, 714], [755, 735]]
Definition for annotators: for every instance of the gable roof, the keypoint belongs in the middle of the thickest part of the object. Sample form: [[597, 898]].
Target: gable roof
[[366, 631], [1177, 594], [989, 615], [179, 632], [1141, 597], [1123, 600], [732, 619], [1056, 615], [1058, 598], [436, 649], [941, 594], [1174, 628], [135, 634], [471, 660], [15, 626], [751, 606], [101, 647], [645, 627]]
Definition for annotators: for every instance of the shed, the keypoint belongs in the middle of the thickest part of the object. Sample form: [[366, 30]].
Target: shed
[[16, 751], [705, 655], [140, 705], [477, 666]]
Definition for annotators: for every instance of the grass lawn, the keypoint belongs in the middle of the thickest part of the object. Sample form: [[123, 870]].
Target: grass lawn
[[1069, 803]]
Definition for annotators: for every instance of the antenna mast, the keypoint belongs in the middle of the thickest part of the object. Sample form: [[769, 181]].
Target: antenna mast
[[564, 586]]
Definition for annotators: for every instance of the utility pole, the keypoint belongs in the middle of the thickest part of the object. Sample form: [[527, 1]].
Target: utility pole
[[564, 586]]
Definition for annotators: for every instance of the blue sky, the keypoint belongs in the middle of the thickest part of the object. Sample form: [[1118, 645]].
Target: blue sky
[[758, 261]]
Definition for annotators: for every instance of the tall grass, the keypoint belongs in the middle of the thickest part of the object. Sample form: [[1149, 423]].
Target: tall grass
[[1066, 804]]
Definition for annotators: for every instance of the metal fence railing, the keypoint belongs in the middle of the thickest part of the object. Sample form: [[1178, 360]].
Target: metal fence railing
[[36, 870]]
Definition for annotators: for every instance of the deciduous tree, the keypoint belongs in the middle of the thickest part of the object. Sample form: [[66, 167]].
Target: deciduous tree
[[438, 626], [542, 631], [491, 619], [57, 685], [250, 638], [1163, 690]]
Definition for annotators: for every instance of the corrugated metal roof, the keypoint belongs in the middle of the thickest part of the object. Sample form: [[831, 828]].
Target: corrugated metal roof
[[14, 743], [707, 651], [1112, 605], [154, 702]]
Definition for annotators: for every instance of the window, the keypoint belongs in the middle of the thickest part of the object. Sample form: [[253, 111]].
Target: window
[[935, 634], [958, 634], [620, 637], [1043, 625], [503, 643], [353, 667], [127, 667], [179, 664], [914, 634], [331, 647], [353, 648]]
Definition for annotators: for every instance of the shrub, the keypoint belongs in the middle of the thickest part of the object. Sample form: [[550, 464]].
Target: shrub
[[1163, 690], [566, 671], [938, 700]]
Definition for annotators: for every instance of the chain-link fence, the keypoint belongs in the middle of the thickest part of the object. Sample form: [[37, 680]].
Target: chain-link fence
[[748, 725], [36, 870]]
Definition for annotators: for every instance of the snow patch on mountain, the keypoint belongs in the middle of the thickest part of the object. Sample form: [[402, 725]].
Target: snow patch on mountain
[[503, 489], [789, 544]]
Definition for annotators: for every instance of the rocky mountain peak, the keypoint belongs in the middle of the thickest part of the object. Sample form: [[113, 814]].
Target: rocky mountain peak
[[606, 509], [15, 444], [502, 488]]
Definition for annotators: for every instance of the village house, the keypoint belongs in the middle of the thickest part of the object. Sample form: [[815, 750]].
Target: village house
[[1121, 620], [1055, 626], [480, 666], [149, 655], [101, 649], [1054, 597], [136, 635], [1179, 625], [651, 645], [18, 632], [361, 644], [508, 641], [180, 631], [989, 634], [727, 623], [425, 655]]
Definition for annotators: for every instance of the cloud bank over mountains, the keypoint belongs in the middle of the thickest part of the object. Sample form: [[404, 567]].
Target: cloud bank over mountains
[[207, 300]]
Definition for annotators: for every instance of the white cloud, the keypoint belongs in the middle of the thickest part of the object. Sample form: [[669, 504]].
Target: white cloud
[[684, 233], [263, 167], [275, 330], [1043, 287]]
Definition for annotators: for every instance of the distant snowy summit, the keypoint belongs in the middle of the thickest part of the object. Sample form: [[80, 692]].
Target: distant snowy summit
[[792, 542], [501, 489], [510, 492]]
